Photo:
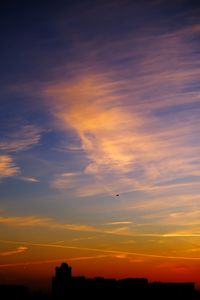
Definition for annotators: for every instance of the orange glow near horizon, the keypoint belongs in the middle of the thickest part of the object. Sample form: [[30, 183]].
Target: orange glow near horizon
[[94, 262]]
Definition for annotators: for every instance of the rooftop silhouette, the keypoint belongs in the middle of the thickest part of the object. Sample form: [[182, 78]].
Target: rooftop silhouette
[[13, 292], [66, 286], [69, 287]]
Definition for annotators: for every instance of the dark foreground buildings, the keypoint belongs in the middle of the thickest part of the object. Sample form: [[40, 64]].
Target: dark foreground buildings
[[13, 292], [66, 286]]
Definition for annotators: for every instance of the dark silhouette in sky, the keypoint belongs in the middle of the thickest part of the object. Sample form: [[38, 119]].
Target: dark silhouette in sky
[[66, 286]]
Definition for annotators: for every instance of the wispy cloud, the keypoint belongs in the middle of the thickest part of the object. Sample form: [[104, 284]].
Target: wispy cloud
[[130, 129], [7, 166], [50, 261], [84, 238], [13, 252], [44, 222], [118, 223], [28, 179], [34, 221], [182, 234], [105, 251], [13, 141], [22, 139], [133, 111], [133, 119], [150, 225], [65, 180]]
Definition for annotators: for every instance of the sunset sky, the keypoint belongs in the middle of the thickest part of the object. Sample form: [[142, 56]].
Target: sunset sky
[[100, 139]]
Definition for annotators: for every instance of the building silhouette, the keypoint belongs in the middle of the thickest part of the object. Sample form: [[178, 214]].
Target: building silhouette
[[13, 292], [69, 287], [62, 280], [66, 286]]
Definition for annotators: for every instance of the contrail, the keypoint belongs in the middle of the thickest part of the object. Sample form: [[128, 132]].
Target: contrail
[[111, 252], [52, 261]]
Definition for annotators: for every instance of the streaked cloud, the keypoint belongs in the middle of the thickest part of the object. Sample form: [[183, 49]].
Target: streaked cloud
[[13, 140], [183, 201], [44, 222], [7, 166], [65, 180], [105, 251], [28, 179], [119, 223], [22, 139], [135, 132], [34, 221], [11, 265], [13, 252], [182, 234], [152, 226], [84, 238]]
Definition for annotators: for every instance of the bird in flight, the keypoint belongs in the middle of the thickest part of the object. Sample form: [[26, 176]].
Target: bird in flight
[[117, 195]]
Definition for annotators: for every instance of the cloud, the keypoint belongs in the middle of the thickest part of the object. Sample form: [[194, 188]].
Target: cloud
[[34, 221], [83, 185], [7, 166], [65, 180], [13, 141], [84, 238], [136, 129], [182, 234], [150, 225], [49, 261], [23, 139], [13, 252], [104, 251], [183, 201], [132, 106], [97, 122], [43, 222], [107, 133], [28, 179], [133, 116], [118, 223]]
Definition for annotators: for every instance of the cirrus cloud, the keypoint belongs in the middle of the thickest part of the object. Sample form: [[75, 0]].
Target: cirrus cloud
[[18, 250], [23, 139], [7, 166]]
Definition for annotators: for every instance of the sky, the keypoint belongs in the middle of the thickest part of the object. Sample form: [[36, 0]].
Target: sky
[[99, 139]]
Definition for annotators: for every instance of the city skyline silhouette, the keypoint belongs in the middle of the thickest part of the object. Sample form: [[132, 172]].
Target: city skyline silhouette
[[67, 286]]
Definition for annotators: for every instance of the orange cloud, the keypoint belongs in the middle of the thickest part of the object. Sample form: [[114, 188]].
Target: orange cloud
[[118, 223], [45, 222], [13, 252], [106, 251], [10, 265], [7, 166], [127, 147]]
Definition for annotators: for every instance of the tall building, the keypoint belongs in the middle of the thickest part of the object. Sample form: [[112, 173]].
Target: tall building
[[66, 286], [62, 280]]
